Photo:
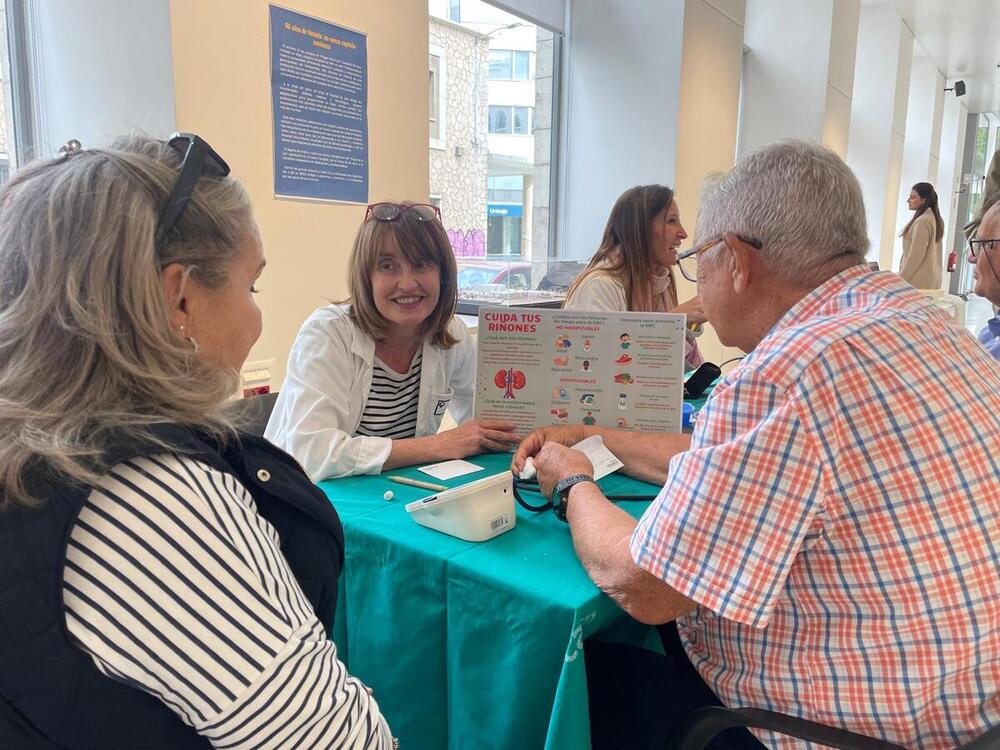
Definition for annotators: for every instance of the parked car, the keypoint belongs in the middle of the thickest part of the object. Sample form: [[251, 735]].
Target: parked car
[[481, 272]]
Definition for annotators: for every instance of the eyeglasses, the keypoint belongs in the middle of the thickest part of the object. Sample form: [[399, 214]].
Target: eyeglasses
[[978, 247], [392, 211], [199, 158], [705, 246]]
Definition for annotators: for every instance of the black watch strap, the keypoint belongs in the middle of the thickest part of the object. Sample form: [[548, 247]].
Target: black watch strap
[[560, 494]]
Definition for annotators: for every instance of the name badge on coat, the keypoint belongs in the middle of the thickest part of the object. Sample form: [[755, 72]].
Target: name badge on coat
[[441, 401]]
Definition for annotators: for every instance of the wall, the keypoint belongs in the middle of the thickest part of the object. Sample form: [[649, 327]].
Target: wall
[[923, 140], [548, 13], [949, 185], [786, 70], [840, 75], [711, 65], [878, 120], [458, 171], [103, 70], [222, 84], [620, 92]]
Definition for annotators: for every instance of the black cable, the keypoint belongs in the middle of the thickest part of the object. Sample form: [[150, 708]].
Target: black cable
[[531, 485]]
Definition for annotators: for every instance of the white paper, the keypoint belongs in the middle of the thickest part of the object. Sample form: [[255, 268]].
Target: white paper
[[450, 469], [605, 462]]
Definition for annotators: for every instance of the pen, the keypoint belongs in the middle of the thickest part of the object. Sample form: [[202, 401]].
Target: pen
[[417, 483]]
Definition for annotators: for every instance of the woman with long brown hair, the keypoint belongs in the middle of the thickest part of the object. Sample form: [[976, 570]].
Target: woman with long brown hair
[[632, 270], [922, 256], [368, 382]]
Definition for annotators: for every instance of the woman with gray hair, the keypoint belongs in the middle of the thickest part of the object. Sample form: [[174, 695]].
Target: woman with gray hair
[[167, 582]]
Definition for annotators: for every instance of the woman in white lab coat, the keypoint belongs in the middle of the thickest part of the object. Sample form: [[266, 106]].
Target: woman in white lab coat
[[368, 382]]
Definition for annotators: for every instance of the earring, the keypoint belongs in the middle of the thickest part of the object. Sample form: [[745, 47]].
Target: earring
[[189, 339]]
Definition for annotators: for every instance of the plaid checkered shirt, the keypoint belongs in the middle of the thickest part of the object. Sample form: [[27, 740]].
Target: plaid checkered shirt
[[837, 521]]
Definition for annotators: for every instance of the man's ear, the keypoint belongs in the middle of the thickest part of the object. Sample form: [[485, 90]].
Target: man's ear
[[741, 263], [173, 279]]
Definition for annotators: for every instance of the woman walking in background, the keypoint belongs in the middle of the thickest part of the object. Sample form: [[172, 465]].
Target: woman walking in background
[[921, 262]]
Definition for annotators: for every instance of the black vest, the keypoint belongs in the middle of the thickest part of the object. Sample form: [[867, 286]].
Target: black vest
[[51, 694]]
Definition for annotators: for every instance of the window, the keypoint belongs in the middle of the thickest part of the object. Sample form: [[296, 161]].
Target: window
[[436, 93], [506, 120], [510, 65], [505, 208], [495, 190], [17, 111], [504, 235], [521, 64], [505, 189]]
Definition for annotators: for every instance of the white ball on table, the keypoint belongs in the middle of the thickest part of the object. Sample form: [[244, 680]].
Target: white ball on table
[[387, 495]]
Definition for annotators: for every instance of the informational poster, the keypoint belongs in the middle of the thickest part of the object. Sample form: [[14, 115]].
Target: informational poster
[[319, 99], [546, 367]]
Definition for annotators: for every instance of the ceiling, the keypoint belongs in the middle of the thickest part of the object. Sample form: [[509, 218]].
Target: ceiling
[[962, 37]]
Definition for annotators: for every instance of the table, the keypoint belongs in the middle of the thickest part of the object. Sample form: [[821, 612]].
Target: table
[[471, 645]]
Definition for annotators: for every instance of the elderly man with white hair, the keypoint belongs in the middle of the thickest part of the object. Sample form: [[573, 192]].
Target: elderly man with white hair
[[984, 247], [827, 543]]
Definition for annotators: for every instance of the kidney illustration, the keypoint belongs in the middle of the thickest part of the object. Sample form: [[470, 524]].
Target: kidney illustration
[[510, 380]]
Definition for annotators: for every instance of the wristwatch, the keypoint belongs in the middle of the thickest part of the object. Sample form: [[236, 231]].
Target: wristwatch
[[560, 493]]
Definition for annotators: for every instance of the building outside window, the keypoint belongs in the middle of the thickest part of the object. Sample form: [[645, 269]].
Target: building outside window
[[505, 211], [436, 91], [510, 65], [495, 75], [510, 120]]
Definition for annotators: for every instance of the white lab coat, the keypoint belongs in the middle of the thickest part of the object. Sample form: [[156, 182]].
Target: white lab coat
[[326, 388]]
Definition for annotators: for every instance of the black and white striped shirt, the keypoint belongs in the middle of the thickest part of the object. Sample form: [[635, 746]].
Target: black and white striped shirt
[[391, 409], [175, 585]]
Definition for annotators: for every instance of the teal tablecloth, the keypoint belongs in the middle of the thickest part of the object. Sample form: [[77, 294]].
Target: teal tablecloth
[[470, 645]]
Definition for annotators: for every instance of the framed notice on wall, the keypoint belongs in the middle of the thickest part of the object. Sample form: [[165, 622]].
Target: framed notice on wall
[[319, 101], [543, 367]]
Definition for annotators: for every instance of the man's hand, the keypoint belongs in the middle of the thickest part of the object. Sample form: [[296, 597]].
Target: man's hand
[[531, 445], [555, 462]]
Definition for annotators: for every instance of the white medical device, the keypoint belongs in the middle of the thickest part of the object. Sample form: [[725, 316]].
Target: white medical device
[[475, 512]]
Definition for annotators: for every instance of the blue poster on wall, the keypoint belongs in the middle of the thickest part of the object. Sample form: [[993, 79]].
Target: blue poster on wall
[[319, 100]]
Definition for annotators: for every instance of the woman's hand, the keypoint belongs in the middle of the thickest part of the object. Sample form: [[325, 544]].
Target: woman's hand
[[563, 435], [692, 308], [478, 436]]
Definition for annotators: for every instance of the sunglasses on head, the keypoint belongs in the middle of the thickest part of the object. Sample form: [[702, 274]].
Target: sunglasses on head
[[392, 211], [198, 159]]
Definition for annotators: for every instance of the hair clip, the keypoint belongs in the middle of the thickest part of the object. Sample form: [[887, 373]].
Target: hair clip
[[72, 148]]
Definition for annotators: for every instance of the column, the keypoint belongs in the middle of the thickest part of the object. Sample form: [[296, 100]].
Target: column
[[711, 73], [921, 147], [949, 185], [620, 98], [878, 120], [799, 71]]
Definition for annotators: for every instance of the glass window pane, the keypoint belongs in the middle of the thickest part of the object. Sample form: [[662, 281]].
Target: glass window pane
[[499, 120], [521, 66], [487, 211], [434, 65], [500, 62], [455, 11], [521, 124]]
